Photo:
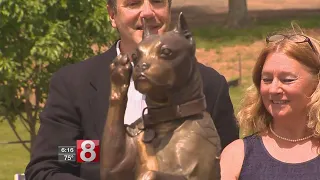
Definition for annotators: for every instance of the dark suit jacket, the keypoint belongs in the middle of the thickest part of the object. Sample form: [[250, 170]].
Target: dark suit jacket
[[76, 109]]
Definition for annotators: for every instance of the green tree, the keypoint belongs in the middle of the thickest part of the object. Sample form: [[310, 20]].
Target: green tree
[[37, 37]]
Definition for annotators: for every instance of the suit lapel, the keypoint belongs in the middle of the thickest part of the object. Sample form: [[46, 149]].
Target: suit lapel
[[100, 89]]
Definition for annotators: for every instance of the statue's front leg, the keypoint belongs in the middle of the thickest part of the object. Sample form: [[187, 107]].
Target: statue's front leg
[[117, 150]]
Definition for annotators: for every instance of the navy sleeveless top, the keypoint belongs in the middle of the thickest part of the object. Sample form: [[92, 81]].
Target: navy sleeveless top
[[258, 164]]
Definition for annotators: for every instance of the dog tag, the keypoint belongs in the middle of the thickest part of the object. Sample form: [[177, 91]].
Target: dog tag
[[149, 135]]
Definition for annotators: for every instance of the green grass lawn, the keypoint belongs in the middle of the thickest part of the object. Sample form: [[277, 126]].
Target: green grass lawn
[[216, 36], [236, 95], [14, 157]]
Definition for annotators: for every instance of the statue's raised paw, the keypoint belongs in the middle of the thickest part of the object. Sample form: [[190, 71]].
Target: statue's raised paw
[[120, 74]]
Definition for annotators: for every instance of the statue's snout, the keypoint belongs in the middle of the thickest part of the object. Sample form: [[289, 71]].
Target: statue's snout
[[141, 67]]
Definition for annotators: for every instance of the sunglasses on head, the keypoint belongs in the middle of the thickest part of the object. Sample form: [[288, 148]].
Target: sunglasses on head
[[297, 38]]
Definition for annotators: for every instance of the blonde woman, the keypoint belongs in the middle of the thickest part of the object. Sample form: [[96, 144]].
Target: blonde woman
[[280, 116]]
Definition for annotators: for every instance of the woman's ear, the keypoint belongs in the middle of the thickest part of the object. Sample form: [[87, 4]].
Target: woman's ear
[[112, 14]]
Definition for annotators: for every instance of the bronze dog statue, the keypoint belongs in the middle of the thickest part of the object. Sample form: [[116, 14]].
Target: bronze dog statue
[[176, 139]]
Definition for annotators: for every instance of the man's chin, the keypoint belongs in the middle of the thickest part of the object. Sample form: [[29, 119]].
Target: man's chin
[[156, 31], [139, 33], [138, 36]]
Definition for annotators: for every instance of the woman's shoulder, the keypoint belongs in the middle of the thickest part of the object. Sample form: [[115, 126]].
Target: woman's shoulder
[[231, 160], [235, 148], [233, 155]]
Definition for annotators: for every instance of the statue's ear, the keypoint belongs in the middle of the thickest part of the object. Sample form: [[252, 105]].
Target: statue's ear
[[182, 28]]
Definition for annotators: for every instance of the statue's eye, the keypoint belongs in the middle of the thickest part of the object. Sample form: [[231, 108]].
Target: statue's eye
[[166, 51]]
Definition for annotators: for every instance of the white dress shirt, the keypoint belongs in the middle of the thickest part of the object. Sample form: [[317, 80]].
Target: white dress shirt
[[136, 101]]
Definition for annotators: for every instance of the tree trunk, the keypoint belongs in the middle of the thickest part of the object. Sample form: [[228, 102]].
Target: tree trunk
[[238, 14], [31, 122], [32, 110], [32, 132]]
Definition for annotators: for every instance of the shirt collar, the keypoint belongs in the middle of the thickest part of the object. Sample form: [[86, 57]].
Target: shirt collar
[[118, 47]]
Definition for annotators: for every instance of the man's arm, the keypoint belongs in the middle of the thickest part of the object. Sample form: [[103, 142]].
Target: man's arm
[[223, 113], [60, 125]]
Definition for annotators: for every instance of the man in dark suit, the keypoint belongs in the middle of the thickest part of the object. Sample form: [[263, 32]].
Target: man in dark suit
[[78, 97]]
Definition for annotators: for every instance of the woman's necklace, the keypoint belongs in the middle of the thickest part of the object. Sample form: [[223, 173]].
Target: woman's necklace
[[290, 140]]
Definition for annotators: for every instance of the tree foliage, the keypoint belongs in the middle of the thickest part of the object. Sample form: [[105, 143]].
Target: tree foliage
[[37, 37]]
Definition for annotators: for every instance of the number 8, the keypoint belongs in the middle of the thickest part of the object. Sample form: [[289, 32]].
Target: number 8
[[87, 150]]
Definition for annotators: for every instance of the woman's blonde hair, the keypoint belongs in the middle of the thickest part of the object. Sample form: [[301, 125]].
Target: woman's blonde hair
[[253, 117]]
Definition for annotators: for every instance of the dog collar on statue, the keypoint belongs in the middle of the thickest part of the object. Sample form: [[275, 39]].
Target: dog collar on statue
[[157, 115]]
